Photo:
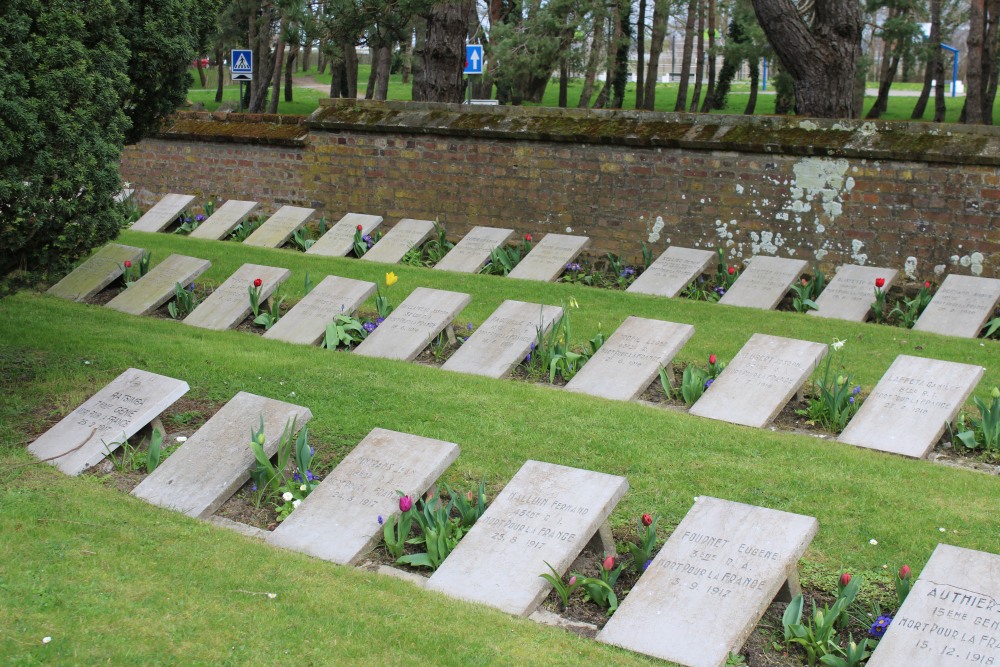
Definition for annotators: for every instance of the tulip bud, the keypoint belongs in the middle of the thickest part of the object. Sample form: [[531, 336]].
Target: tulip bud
[[647, 520], [260, 439], [128, 264], [527, 237], [995, 393], [927, 284], [880, 282], [360, 228], [804, 282], [711, 359], [904, 572], [609, 563], [732, 270], [257, 282], [572, 580], [405, 503], [841, 380], [845, 579]]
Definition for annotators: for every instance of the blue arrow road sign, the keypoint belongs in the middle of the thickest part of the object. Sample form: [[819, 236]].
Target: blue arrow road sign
[[473, 59], [242, 65]]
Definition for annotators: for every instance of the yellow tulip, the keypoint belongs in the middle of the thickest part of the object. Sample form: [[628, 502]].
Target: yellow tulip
[[390, 279]]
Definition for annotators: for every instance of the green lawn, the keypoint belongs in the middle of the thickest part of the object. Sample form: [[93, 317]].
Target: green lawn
[[113, 580]]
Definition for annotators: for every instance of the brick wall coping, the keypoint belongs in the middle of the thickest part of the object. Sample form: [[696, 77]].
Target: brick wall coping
[[239, 128]]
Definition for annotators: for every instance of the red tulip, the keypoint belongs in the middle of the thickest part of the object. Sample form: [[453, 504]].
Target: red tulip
[[609, 563], [844, 580], [927, 284], [804, 282], [880, 282], [647, 520], [360, 228], [732, 270], [711, 359], [527, 237], [128, 264], [257, 282], [405, 503], [904, 572]]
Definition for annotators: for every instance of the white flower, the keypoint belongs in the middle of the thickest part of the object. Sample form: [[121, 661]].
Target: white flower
[[292, 394], [181, 438], [873, 542], [837, 344], [86, 363], [287, 496], [302, 488], [943, 529], [46, 640], [127, 184], [271, 596], [296, 503]]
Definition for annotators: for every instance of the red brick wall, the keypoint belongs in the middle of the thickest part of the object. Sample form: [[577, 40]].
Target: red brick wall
[[896, 213]]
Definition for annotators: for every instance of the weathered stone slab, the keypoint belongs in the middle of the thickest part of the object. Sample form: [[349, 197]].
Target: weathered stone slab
[[546, 513], [764, 283], [503, 340], [96, 273], [229, 304], [216, 461], [910, 406], [339, 520], [225, 219], [115, 413], [547, 260], [720, 568], [960, 307], [631, 358], [157, 287], [413, 324], [760, 380], [950, 617], [124, 195], [472, 252], [277, 229], [163, 213], [408, 233], [673, 271], [339, 240], [306, 322], [851, 293]]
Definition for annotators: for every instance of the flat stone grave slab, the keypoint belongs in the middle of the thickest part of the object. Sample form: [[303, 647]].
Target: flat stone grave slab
[[629, 360], [851, 293], [503, 340], [163, 213], [960, 307], [546, 513], [764, 283], [277, 229], [117, 412], [910, 406], [225, 219], [159, 285], [96, 273], [306, 322], [408, 233], [951, 615], [124, 194], [720, 568], [216, 461], [413, 324], [339, 239], [760, 380], [548, 259], [673, 271], [473, 251], [229, 304], [339, 520]]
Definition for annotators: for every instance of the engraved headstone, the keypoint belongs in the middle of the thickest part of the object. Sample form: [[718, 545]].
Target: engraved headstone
[[306, 322], [163, 213], [100, 424], [229, 304], [760, 380], [225, 219], [503, 340], [720, 568], [339, 520], [851, 293], [673, 271], [408, 233], [629, 360], [216, 461], [96, 273], [413, 324], [764, 283], [951, 615], [910, 406], [277, 229], [339, 239], [548, 259], [546, 513], [960, 307], [157, 287], [472, 252]]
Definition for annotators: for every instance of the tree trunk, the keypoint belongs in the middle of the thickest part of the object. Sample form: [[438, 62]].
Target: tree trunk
[[710, 90], [990, 60], [940, 108], [337, 75], [682, 87], [700, 66], [351, 70], [373, 73], [596, 47], [265, 56], [614, 28], [933, 60], [408, 57], [640, 46], [443, 54], [821, 60], [201, 71], [972, 112], [661, 12], [279, 58], [289, 70], [321, 56], [221, 74], [887, 69], [563, 83], [754, 82], [621, 57], [384, 65]]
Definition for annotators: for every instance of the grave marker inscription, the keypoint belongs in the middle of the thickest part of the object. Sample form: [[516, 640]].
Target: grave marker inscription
[[306, 322], [163, 213], [720, 568], [960, 307], [546, 513], [229, 304], [339, 239], [673, 271], [413, 324], [851, 293], [764, 283], [548, 259], [159, 285], [472, 252], [408, 233], [339, 520], [115, 413], [227, 218], [96, 273], [277, 229]]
